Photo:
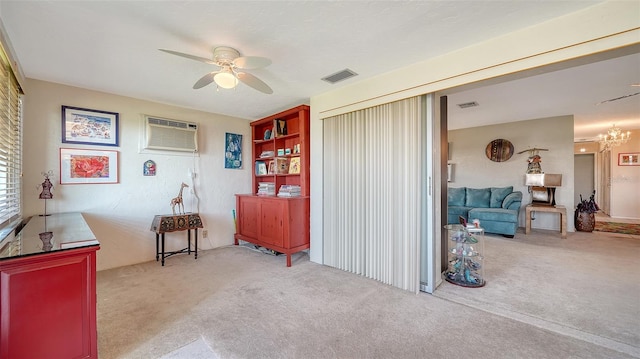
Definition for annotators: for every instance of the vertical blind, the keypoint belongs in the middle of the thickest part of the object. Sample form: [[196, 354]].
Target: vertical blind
[[372, 194], [10, 144]]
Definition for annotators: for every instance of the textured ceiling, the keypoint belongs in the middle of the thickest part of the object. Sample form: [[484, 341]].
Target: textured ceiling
[[112, 46]]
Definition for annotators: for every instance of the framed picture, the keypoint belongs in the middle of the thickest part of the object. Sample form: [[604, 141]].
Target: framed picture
[[233, 151], [282, 166], [89, 127], [629, 159], [79, 166], [261, 168], [294, 165]]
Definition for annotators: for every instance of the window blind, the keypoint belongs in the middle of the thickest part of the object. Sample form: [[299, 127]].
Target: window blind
[[10, 144]]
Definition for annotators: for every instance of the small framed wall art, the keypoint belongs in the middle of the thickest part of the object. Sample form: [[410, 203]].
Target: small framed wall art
[[233, 151], [629, 159], [78, 166], [89, 127]]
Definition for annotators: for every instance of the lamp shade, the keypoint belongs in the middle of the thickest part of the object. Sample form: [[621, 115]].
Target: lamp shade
[[543, 180], [225, 80]]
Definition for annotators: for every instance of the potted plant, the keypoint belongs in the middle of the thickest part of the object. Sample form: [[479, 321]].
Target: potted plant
[[585, 219]]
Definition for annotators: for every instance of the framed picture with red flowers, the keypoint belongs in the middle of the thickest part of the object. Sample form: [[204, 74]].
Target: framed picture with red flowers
[[629, 159], [80, 166]]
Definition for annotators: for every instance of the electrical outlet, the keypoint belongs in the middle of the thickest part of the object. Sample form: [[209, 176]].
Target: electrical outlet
[[205, 233]]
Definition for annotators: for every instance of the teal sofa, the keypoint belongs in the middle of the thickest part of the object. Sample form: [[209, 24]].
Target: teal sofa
[[496, 208]]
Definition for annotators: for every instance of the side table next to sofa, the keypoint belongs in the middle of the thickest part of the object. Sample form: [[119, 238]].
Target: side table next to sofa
[[562, 210]]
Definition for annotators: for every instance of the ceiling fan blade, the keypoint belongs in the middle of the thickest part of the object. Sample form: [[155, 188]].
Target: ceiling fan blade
[[205, 80], [192, 57], [256, 83], [251, 62]]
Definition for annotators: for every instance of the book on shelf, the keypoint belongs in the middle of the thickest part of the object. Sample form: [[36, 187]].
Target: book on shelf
[[280, 127], [266, 189], [294, 165], [287, 190], [272, 168], [261, 168], [266, 154]]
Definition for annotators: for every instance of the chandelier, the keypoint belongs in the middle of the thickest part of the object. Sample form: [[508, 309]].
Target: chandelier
[[614, 137]]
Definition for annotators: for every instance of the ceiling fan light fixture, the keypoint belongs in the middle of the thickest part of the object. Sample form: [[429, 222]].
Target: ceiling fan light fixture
[[225, 79]]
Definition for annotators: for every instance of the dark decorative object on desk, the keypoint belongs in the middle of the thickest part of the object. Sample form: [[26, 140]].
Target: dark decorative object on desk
[[47, 186], [585, 219]]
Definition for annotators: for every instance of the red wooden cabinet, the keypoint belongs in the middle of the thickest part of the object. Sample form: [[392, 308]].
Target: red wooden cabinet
[[48, 297], [278, 223]]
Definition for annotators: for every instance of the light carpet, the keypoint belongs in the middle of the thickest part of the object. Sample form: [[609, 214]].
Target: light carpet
[[585, 286], [195, 350], [245, 304]]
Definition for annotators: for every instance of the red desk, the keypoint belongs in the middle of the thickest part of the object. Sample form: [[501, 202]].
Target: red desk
[[164, 223]]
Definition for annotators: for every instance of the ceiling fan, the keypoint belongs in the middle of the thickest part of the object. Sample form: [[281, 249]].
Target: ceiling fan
[[231, 69]]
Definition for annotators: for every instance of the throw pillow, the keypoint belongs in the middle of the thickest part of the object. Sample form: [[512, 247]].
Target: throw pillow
[[478, 198], [456, 196], [498, 194]]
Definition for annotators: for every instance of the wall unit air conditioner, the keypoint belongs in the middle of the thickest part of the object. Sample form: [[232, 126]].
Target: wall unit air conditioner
[[170, 135]]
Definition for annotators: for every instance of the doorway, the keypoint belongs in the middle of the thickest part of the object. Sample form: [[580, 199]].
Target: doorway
[[584, 182]]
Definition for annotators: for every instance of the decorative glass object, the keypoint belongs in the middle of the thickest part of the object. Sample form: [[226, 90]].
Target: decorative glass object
[[466, 255]]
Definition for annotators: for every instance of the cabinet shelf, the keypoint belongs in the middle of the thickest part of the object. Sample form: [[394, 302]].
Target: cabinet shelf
[[284, 137], [273, 158]]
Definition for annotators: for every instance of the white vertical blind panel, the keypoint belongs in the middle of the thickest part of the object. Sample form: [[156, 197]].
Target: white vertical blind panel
[[372, 193]]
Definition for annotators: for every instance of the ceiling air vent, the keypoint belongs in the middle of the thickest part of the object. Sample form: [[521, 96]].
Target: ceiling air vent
[[339, 76], [468, 104]]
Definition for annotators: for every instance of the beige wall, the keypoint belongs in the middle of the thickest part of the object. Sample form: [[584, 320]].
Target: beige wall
[[625, 181], [120, 214], [473, 169]]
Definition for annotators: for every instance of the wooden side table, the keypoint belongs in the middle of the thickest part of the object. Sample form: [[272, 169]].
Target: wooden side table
[[164, 223], [562, 210]]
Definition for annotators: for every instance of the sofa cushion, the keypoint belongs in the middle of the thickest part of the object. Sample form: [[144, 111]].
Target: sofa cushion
[[453, 212], [493, 215], [478, 198], [456, 196], [513, 197], [498, 194]]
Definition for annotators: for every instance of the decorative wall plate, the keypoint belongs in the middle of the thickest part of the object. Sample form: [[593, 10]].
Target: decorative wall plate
[[499, 150]]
